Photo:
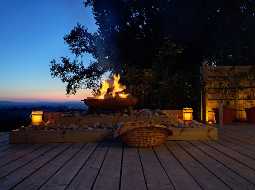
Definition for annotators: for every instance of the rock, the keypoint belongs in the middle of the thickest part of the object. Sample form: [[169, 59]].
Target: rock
[[125, 115], [158, 111], [97, 124], [77, 114], [156, 114], [146, 113], [73, 126]]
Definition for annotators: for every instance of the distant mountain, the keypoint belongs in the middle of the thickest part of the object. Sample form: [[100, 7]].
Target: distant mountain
[[43, 104], [5, 102]]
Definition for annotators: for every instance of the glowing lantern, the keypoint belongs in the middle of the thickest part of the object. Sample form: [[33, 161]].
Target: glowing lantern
[[211, 117], [36, 117], [187, 114]]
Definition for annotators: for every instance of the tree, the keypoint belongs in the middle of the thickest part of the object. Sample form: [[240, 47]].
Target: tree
[[229, 32], [159, 46]]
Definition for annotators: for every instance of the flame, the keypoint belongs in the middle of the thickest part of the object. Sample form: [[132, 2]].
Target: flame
[[103, 89], [112, 88]]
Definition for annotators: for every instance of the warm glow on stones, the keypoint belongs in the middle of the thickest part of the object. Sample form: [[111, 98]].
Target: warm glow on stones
[[36, 117], [187, 114]]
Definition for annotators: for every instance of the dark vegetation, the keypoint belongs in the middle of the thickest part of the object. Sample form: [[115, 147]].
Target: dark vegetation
[[159, 46]]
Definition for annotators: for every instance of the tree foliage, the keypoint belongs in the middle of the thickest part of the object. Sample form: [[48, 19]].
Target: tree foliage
[[158, 46]]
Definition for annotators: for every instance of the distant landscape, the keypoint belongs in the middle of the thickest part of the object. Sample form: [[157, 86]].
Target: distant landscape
[[16, 114]]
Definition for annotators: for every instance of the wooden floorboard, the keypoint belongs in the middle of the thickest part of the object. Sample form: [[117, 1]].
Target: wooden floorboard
[[203, 176], [23, 173], [247, 161], [86, 175], [240, 169], [64, 176], [109, 176], [244, 149], [5, 147], [245, 132], [4, 142], [155, 175], [225, 164], [233, 180], [180, 178], [15, 149], [15, 154], [4, 137], [132, 171], [41, 176], [239, 138], [12, 166]]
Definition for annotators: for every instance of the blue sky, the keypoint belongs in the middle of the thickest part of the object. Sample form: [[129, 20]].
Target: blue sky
[[31, 35]]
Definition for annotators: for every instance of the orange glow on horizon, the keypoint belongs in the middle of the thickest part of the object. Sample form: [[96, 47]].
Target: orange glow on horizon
[[44, 96]]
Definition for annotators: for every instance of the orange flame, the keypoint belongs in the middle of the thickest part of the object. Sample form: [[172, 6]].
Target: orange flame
[[112, 88]]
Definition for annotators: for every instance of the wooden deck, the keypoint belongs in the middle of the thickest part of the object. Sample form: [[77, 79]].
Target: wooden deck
[[226, 164]]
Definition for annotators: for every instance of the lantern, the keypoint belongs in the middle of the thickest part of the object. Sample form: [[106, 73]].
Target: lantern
[[36, 117], [211, 117], [187, 114]]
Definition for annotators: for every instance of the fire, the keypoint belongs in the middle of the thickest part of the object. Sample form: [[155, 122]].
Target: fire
[[112, 89], [103, 90]]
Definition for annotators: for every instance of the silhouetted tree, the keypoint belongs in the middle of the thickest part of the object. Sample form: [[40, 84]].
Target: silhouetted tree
[[158, 46]]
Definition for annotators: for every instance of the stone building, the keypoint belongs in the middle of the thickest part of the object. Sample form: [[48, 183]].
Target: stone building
[[231, 86]]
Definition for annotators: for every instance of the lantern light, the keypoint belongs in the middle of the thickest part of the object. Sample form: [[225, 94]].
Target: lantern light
[[36, 117], [187, 114], [211, 117]]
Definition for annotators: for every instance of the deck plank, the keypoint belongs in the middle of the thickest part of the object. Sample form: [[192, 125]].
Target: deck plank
[[4, 142], [109, 176], [239, 138], [225, 164], [233, 180], [12, 166], [205, 178], [246, 150], [14, 149], [64, 176], [3, 134], [179, 176], [41, 176], [5, 147], [132, 173], [21, 174], [4, 137], [247, 161], [15, 154], [155, 175], [88, 173], [245, 133], [233, 165]]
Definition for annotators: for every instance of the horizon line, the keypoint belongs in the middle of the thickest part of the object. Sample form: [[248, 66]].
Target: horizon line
[[37, 100]]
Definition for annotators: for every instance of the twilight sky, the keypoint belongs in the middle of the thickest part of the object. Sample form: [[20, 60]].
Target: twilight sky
[[31, 35]]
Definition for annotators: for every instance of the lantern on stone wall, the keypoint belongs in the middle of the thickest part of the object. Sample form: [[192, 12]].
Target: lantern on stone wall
[[187, 114], [36, 117], [211, 117]]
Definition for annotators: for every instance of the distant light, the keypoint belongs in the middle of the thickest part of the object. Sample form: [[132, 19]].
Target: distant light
[[37, 117]]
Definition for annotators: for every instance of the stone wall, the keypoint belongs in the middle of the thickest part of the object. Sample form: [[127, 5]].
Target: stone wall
[[230, 85]]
